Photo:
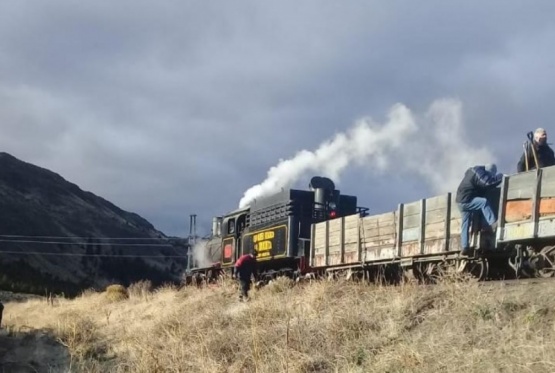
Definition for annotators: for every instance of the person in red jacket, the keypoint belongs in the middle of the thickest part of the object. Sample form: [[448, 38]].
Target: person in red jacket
[[245, 267]]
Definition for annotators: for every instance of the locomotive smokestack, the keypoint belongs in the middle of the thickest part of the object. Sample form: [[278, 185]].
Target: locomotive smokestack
[[322, 187]]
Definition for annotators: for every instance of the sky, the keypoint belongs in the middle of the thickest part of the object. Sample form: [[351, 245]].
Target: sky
[[172, 108]]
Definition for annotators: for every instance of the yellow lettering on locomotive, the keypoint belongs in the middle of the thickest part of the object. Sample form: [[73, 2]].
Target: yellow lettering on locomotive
[[263, 236], [264, 246]]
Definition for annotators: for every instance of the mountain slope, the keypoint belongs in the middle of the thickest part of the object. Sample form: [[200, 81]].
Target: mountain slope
[[66, 236]]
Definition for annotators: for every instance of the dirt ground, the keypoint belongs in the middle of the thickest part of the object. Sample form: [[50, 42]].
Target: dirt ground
[[29, 350], [33, 351]]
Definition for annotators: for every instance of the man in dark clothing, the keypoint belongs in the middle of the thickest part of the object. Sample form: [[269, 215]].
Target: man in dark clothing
[[471, 197], [245, 267], [544, 153]]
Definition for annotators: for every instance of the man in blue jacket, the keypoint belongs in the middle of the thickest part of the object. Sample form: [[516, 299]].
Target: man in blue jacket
[[471, 197]]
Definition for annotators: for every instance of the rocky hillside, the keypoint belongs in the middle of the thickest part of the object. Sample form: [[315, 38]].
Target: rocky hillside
[[56, 237]]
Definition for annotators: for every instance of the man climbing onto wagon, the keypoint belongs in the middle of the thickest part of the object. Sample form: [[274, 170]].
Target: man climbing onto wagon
[[471, 197], [245, 267], [538, 151]]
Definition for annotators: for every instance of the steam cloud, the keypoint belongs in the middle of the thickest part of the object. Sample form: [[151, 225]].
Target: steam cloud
[[201, 258], [433, 146]]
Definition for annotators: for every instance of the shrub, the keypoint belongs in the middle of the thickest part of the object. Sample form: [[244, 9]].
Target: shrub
[[116, 293]]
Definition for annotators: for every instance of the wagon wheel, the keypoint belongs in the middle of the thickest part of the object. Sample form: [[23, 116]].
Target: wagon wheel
[[425, 273], [547, 255], [477, 268]]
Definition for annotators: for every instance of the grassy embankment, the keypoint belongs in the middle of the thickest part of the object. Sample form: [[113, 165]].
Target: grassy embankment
[[318, 327]]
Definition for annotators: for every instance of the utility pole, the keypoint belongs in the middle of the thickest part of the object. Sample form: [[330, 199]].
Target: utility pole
[[192, 239]]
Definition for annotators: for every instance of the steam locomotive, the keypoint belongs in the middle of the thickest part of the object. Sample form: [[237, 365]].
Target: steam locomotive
[[321, 232], [277, 227]]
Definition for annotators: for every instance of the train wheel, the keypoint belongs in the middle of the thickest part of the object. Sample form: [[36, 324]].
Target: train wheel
[[427, 272], [547, 255], [477, 268]]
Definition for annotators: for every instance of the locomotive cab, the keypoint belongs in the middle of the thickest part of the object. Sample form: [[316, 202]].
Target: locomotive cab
[[233, 226]]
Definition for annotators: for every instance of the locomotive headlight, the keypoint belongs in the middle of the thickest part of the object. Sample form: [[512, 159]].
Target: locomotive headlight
[[332, 205]]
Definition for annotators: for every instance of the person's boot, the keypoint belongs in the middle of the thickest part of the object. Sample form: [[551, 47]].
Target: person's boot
[[469, 252], [466, 251]]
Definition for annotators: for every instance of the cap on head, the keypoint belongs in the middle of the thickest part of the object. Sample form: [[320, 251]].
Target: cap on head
[[491, 167]]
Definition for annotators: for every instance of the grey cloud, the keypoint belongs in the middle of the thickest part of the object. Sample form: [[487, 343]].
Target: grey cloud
[[171, 108]]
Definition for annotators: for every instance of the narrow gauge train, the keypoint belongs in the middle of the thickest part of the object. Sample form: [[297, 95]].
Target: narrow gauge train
[[278, 227], [321, 233]]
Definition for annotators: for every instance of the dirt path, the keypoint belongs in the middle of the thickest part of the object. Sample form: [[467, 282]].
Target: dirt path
[[30, 351], [33, 351]]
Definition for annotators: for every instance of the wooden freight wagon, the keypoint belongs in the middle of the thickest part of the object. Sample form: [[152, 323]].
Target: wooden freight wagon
[[527, 206], [420, 230]]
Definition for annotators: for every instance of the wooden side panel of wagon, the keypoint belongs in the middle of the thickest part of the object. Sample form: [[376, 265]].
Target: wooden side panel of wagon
[[422, 228], [378, 237], [527, 208], [429, 226], [335, 242]]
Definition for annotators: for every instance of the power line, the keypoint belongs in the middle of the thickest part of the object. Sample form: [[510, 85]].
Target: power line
[[84, 237], [94, 255], [89, 243]]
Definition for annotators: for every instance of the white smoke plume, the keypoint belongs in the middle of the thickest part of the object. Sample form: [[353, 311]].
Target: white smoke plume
[[432, 146], [442, 153], [201, 256]]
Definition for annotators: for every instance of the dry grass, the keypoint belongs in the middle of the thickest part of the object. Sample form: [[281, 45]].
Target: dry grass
[[318, 327]]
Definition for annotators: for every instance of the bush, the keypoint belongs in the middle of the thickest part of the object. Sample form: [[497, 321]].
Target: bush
[[116, 293]]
